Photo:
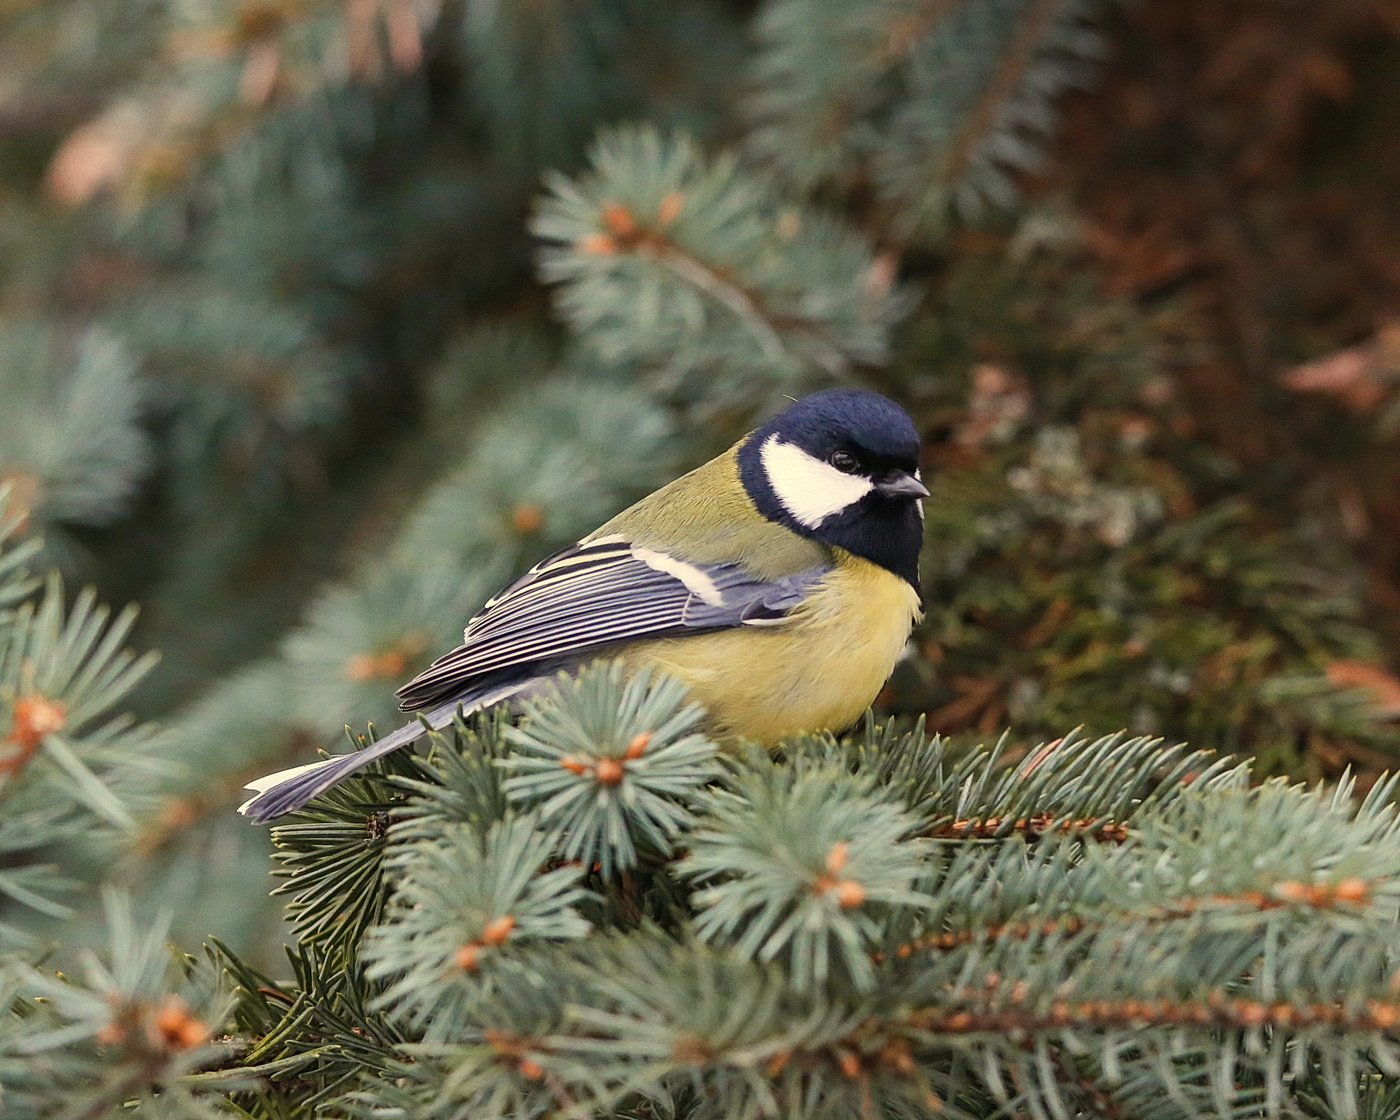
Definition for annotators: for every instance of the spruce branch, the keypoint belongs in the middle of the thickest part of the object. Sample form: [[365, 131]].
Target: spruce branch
[[245, 380], [1030, 24], [503, 1065], [394, 618], [71, 659], [332, 856], [652, 1021], [611, 763], [462, 783], [71, 447], [1371, 1017], [544, 472], [32, 882], [937, 105], [67, 763], [134, 1028], [647, 1022], [463, 901], [799, 866], [670, 259], [654, 1011], [16, 553], [60, 672], [323, 1015], [545, 73], [1017, 1028], [1215, 857], [258, 1002], [1092, 787], [820, 77], [1232, 949]]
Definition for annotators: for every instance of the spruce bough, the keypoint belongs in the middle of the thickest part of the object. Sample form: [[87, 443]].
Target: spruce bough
[[872, 925]]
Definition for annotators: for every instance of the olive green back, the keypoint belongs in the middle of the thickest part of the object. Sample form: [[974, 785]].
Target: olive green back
[[706, 516]]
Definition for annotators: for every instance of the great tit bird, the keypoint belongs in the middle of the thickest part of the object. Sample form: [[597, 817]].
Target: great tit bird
[[779, 581]]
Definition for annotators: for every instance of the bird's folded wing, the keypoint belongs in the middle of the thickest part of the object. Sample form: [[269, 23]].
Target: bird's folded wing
[[600, 592]]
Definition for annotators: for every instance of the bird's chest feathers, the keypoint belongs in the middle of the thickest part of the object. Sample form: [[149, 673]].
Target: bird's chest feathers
[[820, 669]]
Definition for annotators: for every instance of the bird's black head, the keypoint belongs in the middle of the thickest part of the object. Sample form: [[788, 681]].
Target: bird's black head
[[842, 467]]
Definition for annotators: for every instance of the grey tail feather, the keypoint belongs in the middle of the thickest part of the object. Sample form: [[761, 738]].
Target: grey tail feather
[[291, 789], [306, 782]]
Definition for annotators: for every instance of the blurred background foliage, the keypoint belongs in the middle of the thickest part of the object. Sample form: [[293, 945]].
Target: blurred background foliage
[[303, 351]]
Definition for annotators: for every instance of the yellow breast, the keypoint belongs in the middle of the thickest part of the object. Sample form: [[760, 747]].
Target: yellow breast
[[818, 670]]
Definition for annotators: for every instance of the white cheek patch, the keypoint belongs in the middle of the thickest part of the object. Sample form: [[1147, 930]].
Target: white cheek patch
[[810, 490]]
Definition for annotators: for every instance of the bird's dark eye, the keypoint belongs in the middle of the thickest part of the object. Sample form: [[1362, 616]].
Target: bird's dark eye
[[844, 461]]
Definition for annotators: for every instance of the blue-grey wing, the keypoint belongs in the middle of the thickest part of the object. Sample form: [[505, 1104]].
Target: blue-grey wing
[[579, 600], [595, 594]]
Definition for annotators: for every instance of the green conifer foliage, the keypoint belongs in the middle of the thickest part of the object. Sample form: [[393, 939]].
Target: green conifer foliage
[[1109, 924], [665, 258], [74, 453], [320, 322], [935, 104]]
